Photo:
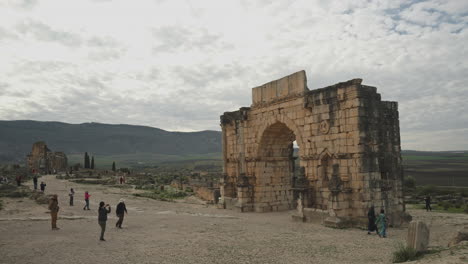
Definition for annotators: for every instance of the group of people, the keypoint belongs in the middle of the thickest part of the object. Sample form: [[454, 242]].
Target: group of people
[[377, 223], [42, 185], [103, 210]]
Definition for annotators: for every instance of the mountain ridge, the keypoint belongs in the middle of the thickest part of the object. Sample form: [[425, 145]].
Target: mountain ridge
[[17, 137]]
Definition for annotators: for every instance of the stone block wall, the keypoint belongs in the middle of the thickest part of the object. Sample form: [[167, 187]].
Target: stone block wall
[[42, 159], [349, 146]]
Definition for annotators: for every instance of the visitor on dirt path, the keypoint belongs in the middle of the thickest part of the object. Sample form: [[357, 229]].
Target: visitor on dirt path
[[54, 208], [35, 182], [43, 185], [427, 199], [71, 194], [86, 198], [102, 218], [381, 223], [18, 180], [120, 210], [371, 227]]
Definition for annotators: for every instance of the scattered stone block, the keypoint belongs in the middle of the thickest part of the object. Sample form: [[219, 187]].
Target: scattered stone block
[[418, 236]]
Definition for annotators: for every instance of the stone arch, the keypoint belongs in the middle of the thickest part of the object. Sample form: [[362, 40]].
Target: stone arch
[[288, 123], [275, 168]]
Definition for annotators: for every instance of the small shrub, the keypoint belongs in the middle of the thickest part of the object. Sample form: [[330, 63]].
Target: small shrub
[[464, 192], [1, 204], [403, 254], [409, 182], [445, 205], [466, 209]]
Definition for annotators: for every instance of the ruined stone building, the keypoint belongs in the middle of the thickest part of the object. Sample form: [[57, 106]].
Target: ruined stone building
[[42, 159], [349, 152]]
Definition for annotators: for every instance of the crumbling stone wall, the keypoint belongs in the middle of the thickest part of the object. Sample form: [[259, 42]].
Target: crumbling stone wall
[[349, 150], [42, 159]]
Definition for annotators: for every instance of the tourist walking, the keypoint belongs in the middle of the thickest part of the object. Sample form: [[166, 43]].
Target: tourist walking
[[86, 198], [18, 180], [381, 223], [102, 218], [71, 194], [54, 208], [35, 182], [43, 185], [120, 210], [427, 199], [371, 227]]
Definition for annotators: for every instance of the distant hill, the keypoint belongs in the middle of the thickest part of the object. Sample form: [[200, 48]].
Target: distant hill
[[17, 137]]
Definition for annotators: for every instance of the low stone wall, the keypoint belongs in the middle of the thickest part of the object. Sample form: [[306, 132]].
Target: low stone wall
[[210, 195]]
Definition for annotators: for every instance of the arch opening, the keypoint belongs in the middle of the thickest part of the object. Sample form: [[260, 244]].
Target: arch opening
[[275, 170]]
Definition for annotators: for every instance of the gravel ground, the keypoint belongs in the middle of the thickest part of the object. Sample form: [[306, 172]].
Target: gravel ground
[[164, 232]]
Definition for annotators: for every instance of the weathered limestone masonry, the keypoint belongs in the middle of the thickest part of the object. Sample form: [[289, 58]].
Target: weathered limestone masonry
[[42, 159], [349, 151]]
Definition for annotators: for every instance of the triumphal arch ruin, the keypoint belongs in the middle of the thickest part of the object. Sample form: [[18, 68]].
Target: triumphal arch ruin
[[348, 158]]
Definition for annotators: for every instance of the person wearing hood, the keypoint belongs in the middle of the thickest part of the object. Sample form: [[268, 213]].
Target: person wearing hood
[[371, 227], [121, 210]]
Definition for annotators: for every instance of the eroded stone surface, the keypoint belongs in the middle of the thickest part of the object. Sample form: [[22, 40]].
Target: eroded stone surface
[[418, 236], [349, 147]]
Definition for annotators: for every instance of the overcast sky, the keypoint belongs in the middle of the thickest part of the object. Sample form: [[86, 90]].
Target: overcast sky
[[178, 65]]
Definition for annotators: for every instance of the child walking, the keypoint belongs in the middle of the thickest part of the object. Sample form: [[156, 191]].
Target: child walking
[[86, 198]]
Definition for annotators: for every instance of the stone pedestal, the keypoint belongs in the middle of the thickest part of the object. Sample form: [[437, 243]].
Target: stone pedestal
[[418, 236], [298, 216], [333, 221]]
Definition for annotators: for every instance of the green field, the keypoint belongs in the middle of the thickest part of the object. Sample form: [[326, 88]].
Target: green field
[[437, 168], [140, 159]]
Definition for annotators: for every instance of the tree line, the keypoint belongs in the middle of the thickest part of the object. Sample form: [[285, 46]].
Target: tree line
[[90, 164]]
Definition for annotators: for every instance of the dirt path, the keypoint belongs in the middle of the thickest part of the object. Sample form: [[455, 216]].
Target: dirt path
[[163, 232]]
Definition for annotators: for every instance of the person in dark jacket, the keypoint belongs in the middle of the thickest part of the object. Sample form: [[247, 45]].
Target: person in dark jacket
[[371, 227], [121, 210], [18, 180], [71, 194], [35, 182], [427, 199], [43, 185], [102, 218]]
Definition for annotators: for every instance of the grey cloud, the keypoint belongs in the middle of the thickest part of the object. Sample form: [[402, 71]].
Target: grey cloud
[[104, 49], [35, 67], [21, 4], [104, 55], [172, 38], [102, 42], [44, 32], [6, 34]]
